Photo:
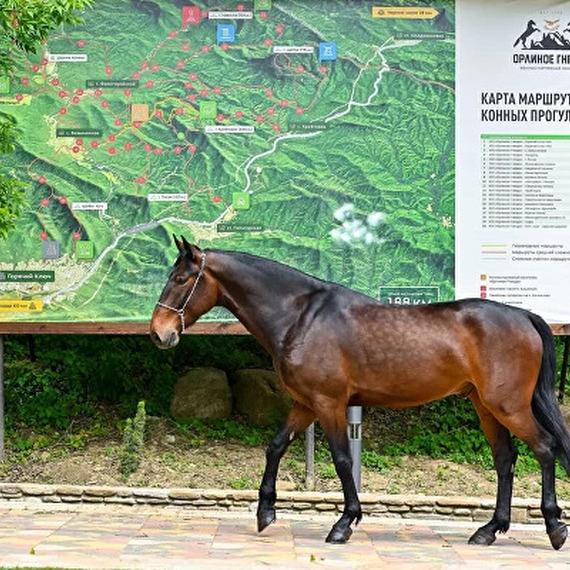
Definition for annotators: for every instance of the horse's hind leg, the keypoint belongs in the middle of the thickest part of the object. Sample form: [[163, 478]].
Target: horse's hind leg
[[556, 530], [333, 421], [504, 457], [298, 420], [522, 423]]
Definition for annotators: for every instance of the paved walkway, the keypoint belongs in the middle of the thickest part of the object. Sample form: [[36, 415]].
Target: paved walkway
[[131, 538]]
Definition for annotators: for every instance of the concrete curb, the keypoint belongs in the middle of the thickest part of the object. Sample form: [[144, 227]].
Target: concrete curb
[[387, 506]]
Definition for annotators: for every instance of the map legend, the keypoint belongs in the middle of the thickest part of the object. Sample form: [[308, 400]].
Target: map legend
[[525, 181]]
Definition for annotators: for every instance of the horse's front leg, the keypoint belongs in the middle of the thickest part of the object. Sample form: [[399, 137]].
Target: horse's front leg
[[298, 420], [334, 424]]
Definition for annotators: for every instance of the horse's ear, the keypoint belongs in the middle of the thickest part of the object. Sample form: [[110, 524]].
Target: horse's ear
[[178, 243], [192, 251]]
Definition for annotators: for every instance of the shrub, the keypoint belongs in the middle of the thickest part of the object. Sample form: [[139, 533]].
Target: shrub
[[133, 438]]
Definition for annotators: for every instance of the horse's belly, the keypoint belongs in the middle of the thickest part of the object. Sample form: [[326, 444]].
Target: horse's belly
[[410, 382], [406, 398]]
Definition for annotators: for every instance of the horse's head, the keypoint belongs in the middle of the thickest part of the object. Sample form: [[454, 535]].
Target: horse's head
[[188, 294]]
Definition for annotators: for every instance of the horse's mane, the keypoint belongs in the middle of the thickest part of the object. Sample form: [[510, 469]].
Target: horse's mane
[[273, 268]]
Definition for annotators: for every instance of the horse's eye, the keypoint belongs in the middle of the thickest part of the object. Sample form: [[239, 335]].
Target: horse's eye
[[180, 279]]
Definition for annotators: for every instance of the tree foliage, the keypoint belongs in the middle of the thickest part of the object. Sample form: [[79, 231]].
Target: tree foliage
[[24, 26]]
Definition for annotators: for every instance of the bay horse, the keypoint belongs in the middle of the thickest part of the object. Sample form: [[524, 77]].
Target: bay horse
[[333, 347]]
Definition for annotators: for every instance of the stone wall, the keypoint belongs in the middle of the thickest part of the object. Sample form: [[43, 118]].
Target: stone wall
[[395, 506]]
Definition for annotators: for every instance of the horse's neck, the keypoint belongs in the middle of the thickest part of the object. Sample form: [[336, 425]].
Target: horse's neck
[[261, 300]]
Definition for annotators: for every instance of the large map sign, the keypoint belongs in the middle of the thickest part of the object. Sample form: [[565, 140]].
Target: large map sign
[[319, 134]]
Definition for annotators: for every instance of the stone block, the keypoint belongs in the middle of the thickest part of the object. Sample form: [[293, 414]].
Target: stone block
[[202, 393], [259, 397]]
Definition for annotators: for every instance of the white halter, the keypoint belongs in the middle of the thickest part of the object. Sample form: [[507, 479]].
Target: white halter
[[180, 311]]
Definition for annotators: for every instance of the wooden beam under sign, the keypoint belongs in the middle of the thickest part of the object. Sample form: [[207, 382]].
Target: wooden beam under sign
[[235, 328]]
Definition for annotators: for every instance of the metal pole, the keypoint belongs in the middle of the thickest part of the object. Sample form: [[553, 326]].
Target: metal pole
[[310, 457], [354, 417], [1, 397], [564, 369]]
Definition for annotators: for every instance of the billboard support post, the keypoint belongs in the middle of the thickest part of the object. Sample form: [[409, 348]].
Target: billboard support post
[[1, 397], [354, 417], [310, 457]]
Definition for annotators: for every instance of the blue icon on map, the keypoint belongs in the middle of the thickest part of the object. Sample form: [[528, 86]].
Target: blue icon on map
[[327, 51], [226, 33]]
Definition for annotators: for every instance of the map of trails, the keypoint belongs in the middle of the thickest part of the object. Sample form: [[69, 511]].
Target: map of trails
[[319, 134]]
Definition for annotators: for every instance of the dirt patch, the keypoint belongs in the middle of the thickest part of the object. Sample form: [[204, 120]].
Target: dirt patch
[[173, 460]]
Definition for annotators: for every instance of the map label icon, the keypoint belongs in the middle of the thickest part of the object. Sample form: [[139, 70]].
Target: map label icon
[[226, 33], [241, 201], [191, 15], [84, 250], [17, 305], [139, 112], [208, 109], [51, 250], [327, 51]]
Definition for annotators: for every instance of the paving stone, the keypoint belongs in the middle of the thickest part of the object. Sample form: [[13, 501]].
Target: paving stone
[[37, 490], [120, 500], [99, 492], [115, 538], [459, 502], [69, 490], [161, 494], [325, 507], [481, 515], [398, 508], [519, 515], [9, 489], [423, 509], [185, 494]]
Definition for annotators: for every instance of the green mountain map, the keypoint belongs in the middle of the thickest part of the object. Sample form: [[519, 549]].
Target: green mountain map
[[319, 134]]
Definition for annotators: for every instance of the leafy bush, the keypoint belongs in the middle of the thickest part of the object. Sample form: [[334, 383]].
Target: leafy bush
[[133, 438], [39, 396], [451, 430]]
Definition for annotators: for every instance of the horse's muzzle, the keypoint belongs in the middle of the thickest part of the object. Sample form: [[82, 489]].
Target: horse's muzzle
[[169, 339]]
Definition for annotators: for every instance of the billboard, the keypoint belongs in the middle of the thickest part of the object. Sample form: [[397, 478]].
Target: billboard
[[513, 146], [320, 134]]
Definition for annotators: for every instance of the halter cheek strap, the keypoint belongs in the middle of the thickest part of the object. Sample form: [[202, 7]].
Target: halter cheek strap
[[180, 311]]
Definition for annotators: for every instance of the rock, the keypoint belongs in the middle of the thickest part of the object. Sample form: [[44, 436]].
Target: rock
[[258, 396], [202, 393]]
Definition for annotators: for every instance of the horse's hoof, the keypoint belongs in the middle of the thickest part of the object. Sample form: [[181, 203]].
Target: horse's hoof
[[482, 537], [265, 518], [558, 536], [339, 535]]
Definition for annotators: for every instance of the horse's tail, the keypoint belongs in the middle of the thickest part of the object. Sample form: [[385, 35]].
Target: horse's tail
[[517, 42], [544, 404]]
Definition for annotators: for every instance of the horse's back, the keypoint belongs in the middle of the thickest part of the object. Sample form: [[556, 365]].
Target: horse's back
[[375, 354], [419, 354]]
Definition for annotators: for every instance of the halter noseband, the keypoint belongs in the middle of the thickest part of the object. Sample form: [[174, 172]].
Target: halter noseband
[[180, 311]]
